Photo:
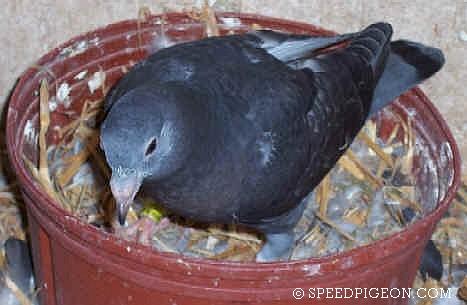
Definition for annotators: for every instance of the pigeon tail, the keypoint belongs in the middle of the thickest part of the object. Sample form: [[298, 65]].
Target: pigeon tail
[[408, 64], [371, 46]]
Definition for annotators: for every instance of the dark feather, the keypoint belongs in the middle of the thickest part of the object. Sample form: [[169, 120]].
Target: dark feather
[[409, 63], [247, 125]]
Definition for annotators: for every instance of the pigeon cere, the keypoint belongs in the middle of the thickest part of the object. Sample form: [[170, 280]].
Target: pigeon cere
[[253, 147], [245, 140]]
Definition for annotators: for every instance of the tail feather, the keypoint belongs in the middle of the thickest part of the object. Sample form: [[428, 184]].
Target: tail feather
[[408, 64]]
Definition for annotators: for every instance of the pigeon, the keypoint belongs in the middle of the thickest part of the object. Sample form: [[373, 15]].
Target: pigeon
[[238, 129]]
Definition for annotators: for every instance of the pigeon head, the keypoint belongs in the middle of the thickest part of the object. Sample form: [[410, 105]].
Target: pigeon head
[[143, 137]]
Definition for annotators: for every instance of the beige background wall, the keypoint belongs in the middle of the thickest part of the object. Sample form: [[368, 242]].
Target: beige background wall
[[28, 28]]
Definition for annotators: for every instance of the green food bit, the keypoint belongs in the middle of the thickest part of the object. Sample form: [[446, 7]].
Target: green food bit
[[152, 209]]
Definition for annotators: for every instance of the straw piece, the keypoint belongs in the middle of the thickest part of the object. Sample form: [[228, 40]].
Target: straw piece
[[256, 27], [73, 167], [356, 216], [351, 167], [44, 126], [393, 134], [47, 187], [362, 170], [323, 194], [407, 160], [376, 148], [330, 223], [311, 234], [234, 249], [80, 198], [234, 235], [407, 202], [207, 16], [210, 20], [143, 14], [101, 163], [396, 194]]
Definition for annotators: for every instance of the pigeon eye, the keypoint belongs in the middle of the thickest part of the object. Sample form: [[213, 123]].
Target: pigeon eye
[[151, 147]]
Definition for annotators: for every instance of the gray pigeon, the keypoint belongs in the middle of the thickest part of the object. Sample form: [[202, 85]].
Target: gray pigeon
[[239, 129]]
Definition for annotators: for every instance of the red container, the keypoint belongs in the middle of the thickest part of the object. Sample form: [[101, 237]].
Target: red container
[[77, 264]]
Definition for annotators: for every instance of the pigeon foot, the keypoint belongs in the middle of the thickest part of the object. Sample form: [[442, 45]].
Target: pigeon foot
[[277, 247]]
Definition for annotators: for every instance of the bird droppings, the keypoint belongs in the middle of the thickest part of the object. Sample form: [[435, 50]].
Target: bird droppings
[[75, 49], [53, 104], [62, 97], [81, 75], [184, 263], [30, 133], [96, 81], [79, 47], [311, 270], [95, 41], [232, 22]]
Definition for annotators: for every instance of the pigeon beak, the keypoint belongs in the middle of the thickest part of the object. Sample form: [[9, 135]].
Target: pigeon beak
[[124, 190]]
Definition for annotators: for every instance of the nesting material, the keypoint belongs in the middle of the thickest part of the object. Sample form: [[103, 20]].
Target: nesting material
[[207, 17], [353, 205]]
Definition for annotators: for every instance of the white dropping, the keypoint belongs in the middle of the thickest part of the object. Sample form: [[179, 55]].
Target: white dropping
[[63, 92], [311, 270], [211, 243], [30, 133], [75, 49], [231, 22], [95, 41], [81, 75], [53, 104], [96, 81]]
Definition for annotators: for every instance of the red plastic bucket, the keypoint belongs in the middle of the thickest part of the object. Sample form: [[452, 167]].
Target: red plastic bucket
[[76, 263]]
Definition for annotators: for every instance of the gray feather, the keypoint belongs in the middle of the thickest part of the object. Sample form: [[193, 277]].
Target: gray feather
[[286, 47], [409, 63]]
